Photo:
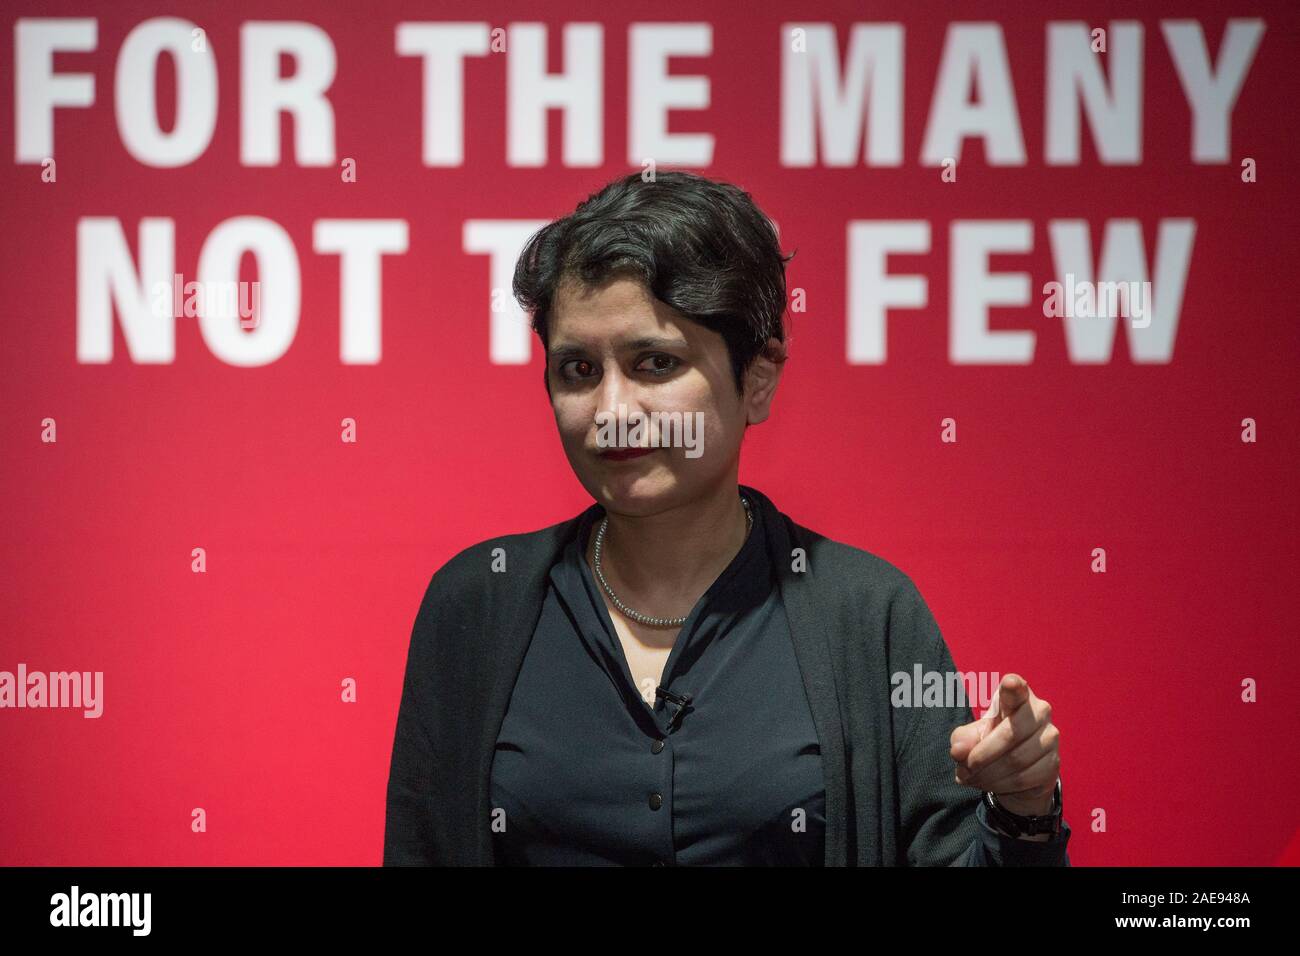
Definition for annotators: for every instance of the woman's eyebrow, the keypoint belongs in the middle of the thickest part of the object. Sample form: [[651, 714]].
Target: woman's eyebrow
[[653, 342], [567, 351]]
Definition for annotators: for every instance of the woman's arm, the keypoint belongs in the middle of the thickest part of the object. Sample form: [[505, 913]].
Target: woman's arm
[[409, 817]]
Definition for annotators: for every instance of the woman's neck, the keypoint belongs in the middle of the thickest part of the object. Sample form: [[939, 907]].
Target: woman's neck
[[661, 564]]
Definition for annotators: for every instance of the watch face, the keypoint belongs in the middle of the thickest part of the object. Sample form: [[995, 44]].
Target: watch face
[[1018, 825], [1002, 818]]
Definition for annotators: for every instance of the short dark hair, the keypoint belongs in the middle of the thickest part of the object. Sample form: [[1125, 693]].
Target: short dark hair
[[702, 247]]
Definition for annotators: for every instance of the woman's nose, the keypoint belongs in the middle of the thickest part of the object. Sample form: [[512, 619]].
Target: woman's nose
[[617, 389], [619, 402]]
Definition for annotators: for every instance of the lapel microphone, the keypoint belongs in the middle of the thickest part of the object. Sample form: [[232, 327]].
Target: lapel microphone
[[682, 701]]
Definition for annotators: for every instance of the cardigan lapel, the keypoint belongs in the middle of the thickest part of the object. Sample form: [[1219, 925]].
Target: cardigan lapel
[[802, 596], [513, 611]]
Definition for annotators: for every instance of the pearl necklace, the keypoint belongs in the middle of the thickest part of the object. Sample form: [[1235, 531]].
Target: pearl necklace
[[635, 615]]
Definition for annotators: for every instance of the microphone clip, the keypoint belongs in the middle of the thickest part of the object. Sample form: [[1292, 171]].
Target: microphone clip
[[681, 701]]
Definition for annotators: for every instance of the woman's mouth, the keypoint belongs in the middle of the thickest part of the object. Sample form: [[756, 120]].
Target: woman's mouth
[[625, 454]]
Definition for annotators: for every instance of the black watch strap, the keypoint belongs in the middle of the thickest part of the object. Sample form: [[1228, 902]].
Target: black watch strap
[[1019, 825]]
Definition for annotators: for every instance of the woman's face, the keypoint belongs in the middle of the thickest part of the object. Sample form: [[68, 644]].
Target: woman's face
[[616, 345]]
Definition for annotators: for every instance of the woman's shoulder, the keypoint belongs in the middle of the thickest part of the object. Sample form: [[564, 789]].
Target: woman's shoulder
[[872, 599], [846, 566], [501, 561]]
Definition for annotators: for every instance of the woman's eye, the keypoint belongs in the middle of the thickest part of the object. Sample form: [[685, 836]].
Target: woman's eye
[[659, 364], [583, 367]]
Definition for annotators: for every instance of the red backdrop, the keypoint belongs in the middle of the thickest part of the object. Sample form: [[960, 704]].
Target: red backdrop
[[222, 689]]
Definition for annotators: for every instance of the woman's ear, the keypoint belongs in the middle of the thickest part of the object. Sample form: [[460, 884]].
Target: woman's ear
[[761, 379]]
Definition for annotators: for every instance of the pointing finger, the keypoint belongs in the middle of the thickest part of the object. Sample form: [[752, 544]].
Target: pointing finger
[[1019, 726], [1012, 693]]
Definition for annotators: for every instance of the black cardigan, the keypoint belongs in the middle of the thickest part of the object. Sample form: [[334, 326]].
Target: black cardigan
[[855, 620]]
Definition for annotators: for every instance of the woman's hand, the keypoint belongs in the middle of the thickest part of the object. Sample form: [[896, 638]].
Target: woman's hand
[[1012, 751]]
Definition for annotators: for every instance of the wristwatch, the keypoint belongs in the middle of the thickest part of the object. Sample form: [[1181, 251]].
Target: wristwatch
[[1016, 824]]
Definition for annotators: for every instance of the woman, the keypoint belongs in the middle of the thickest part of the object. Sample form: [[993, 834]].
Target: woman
[[681, 674]]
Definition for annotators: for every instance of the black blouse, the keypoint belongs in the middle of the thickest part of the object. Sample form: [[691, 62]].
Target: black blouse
[[586, 772]]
